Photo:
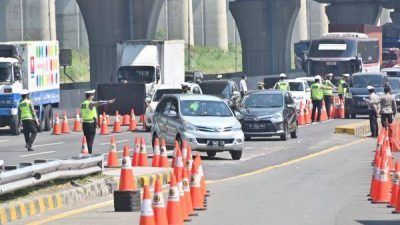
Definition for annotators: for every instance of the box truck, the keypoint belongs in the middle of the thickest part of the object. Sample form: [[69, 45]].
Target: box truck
[[31, 65], [151, 62]]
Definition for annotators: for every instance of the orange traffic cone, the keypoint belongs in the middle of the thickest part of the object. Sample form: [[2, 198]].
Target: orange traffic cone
[[300, 119], [203, 178], [133, 123], [324, 115], [143, 162], [307, 115], [341, 110], [126, 120], [163, 162], [77, 123], [375, 178], [182, 199], [160, 211], [383, 185], [174, 211], [332, 113], [184, 152], [65, 126], [117, 125], [112, 154], [395, 185], [187, 197], [189, 161], [156, 153], [176, 147], [84, 148], [195, 188], [127, 180], [146, 210], [136, 151], [104, 127], [57, 126], [178, 166]]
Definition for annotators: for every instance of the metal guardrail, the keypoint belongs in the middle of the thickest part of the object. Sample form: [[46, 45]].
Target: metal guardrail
[[41, 172]]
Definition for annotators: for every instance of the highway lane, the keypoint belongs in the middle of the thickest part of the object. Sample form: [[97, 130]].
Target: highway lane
[[273, 180]]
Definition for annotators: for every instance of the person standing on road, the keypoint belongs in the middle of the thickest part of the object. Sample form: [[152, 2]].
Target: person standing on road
[[243, 86], [282, 84], [261, 85], [388, 107], [28, 118], [328, 92], [342, 86], [317, 96], [89, 117], [373, 109]]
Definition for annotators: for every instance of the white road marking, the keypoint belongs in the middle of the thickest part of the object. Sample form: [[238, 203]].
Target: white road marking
[[253, 156], [45, 145], [2, 141], [34, 154], [107, 143]]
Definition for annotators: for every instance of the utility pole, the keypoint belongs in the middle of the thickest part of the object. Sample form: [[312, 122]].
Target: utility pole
[[189, 66]]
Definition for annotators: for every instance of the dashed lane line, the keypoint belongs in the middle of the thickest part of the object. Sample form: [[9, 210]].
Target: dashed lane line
[[50, 144]]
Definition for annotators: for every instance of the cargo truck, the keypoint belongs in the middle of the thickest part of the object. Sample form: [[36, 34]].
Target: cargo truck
[[31, 65], [151, 62]]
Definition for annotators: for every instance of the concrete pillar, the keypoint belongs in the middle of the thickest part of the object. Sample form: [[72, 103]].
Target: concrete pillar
[[27, 20], [300, 29], [265, 28], [71, 30], [318, 21], [233, 35], [180, 20], [353, 11], [385, 17], [198, 22], [215, 20]]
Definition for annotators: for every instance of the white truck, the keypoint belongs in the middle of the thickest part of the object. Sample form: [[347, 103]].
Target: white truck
[[31, 65], [151, 62]]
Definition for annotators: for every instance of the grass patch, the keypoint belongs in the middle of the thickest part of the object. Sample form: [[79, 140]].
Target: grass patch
[[50, 187]]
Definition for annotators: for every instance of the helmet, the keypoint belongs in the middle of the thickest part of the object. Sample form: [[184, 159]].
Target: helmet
[[24, 92], [346, 75], [282, 75], [318, 77]]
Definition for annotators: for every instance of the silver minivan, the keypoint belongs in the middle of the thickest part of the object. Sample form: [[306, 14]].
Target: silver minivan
[[205, 122]]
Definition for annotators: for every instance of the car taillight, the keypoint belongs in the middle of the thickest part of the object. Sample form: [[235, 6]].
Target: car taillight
[[7, 90]]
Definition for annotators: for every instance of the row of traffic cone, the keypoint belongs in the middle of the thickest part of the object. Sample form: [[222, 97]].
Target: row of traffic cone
[[305, 116], [61, 128], [384, 188]]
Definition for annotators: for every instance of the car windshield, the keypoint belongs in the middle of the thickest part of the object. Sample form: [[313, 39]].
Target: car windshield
[[204, 108], [219, 89], [389, 56], [141, 74], [159, 93], [265, 100], [296, 86], [394, 84], [5, 72], [367, 80]]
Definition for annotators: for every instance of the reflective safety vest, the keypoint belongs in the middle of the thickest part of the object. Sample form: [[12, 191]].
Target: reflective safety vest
[[341, 89], [88, 115], [283, 85], [327, 88], [316, 92], [25, 108]]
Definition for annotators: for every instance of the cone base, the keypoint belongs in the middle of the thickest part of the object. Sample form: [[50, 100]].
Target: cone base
[[200, 209], [395, 212], [379, 202]]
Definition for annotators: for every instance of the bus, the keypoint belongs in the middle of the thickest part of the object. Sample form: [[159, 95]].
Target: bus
[[341, 53]]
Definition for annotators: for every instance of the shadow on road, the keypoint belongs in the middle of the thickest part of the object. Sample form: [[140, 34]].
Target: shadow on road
[[378, 222]]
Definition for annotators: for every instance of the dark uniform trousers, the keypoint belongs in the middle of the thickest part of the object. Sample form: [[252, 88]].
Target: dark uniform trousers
[[30, 131], [328, 103], [89, 130], [317, 105], [386, 119], [373, 122]]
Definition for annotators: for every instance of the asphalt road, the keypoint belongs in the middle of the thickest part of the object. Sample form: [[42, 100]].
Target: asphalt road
[[319, 178]]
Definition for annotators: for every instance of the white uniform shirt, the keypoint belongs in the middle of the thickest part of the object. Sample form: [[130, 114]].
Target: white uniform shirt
[[243, 86]]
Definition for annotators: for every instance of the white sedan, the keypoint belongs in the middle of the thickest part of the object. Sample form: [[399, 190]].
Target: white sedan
[[300, 91]]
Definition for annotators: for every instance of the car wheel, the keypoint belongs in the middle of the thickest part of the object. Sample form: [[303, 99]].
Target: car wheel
[[247, 138], [353, 115], [347, 115], [294, 133], [285, 135], [236, 155], [153, 139], [179, 140], [211, 154]]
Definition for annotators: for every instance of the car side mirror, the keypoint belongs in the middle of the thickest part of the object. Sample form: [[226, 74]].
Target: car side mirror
[[308, 89]]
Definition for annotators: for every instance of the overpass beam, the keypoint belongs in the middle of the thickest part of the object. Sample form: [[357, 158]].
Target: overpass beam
[[265, 28], [353, 11]]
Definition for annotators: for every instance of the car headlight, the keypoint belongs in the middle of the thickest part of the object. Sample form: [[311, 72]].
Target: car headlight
[[277, 117], [237, 127], [189, 126], [349, 95]]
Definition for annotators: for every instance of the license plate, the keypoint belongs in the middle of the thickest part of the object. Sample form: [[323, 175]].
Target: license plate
[[362, 103], [258, 126], [331, 63], [216, 143]]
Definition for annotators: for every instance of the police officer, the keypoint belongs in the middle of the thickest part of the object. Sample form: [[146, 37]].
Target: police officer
[[328, 87], [317, 96], [89, 117], [342, 85], [282, 84], [373, 107], [260, 85], [27, 115]]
